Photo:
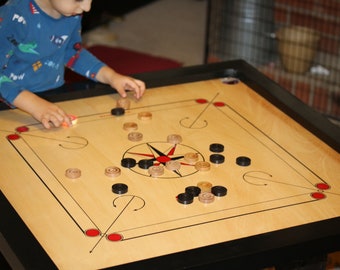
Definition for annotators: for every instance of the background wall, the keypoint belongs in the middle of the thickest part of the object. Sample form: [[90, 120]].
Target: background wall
[[102, 11], [253, 38]]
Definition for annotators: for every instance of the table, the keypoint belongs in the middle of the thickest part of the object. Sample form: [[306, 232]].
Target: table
[[273, 163]]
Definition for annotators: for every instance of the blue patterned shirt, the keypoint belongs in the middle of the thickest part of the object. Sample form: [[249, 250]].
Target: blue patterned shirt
[[35, 48]]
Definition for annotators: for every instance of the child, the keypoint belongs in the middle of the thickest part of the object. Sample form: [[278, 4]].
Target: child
[[38, 38]]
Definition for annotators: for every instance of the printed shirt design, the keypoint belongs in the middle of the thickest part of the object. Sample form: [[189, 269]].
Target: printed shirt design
[[35, 48]]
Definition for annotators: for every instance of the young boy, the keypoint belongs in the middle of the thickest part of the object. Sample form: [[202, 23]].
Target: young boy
[[38, 38]]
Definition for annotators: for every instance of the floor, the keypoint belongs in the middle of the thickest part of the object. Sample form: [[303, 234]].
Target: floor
[[169, 28]]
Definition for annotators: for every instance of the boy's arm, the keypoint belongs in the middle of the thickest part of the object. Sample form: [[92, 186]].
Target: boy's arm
[[49, 114], [83, 62], [121, 82], [45, 112]]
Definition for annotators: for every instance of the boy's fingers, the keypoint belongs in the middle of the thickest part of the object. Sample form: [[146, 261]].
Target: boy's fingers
[[56, 119], [46, 123]]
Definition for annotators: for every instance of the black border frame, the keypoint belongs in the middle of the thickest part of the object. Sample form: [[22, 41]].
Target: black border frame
[[273, 248]]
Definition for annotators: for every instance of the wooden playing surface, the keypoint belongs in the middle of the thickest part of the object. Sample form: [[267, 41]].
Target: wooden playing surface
[[293, 177]]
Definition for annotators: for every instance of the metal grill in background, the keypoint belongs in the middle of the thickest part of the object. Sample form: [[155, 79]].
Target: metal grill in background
[[295, 43], [241, 29]]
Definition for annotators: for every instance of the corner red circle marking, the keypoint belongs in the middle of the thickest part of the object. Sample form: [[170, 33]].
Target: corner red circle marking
[[201, 101], [322, 186], [318, 195], [114, 237], [219, 104], [13, 137], [22, 129], [92, 232]]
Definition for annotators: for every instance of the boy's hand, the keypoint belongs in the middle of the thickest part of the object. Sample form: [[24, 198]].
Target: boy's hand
[[45, 112], [120, 82]]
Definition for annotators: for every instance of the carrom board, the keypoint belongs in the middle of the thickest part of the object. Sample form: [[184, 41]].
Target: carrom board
[[289, 177]]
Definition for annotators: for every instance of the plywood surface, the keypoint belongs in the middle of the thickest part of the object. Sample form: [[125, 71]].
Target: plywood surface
[[293, 177]]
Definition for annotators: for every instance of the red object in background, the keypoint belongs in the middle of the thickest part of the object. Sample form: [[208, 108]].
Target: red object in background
[[125, 61]]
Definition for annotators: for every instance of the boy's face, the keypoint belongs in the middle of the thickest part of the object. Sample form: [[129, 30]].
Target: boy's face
[[70, 7]]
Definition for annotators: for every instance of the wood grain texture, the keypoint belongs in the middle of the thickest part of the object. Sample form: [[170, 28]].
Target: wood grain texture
[[290, 170]]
